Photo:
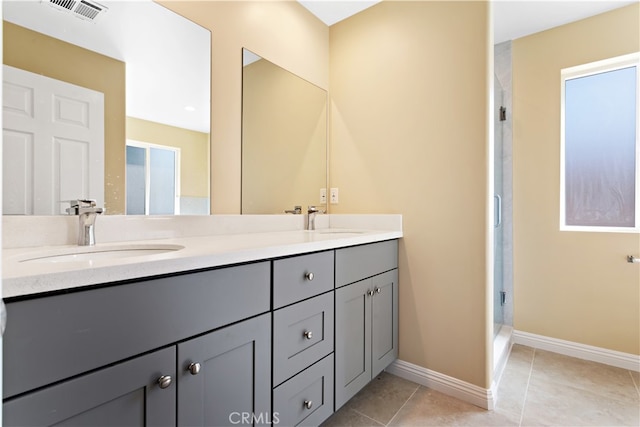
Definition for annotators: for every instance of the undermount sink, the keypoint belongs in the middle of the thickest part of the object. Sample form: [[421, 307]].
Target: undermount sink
[[339, 231], [97, 253]]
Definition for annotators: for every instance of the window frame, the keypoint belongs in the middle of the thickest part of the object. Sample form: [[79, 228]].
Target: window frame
[[585, 70], [147, 190]]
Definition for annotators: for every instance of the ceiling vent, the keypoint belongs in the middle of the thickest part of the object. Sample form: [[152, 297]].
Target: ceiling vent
[[83, 9]]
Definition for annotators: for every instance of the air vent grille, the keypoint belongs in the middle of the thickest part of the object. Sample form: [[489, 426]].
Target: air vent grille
[[88, 10], [66, 4], [84, 9]]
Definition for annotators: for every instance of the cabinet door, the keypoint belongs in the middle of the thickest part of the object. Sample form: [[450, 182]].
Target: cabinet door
[[384, 327], [126, 394], [353, 340], [233, 382]]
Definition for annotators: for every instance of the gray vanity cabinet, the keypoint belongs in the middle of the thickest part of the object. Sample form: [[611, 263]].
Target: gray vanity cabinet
[[283, 341], [121, 354], [225, 376], [366, 316], [126, 394]]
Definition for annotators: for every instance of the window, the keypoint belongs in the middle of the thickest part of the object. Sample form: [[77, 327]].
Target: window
[[152, 179], [600, 172]]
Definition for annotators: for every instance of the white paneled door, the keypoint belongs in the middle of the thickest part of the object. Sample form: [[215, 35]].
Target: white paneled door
[[53, 144]]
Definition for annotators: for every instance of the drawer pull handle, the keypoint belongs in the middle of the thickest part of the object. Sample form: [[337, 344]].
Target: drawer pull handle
[[308, 334], [370, 292], [309, 276], [194, 368], [308, 404], [164, 381], [378, 290]]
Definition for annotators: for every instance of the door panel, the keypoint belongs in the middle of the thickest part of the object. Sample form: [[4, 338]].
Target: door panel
[[67, 154], [353, 340], [384, 329], [126, 394], [17, 165], [234, 377]]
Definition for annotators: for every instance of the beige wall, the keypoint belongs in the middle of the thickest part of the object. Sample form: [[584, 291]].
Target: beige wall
[[284, 140], [568, 285], [35, 52], [409, 135], [283, 32], [194, 152]]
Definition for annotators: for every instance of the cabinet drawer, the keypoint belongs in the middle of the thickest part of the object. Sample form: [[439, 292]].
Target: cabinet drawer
[[52, 338], [307, 398], [301, 277], [302, 334], [359, 262]]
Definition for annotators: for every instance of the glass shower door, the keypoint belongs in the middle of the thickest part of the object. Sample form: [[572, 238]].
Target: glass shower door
[[498, 259]]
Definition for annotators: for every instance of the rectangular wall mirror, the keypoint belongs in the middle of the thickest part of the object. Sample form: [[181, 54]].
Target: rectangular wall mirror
[[284, 139], [128, 117]]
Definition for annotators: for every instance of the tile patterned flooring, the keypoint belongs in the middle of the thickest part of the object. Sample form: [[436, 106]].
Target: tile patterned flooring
[[538, 388]]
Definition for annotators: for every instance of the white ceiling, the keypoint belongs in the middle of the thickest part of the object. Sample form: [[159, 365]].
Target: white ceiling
[[512, 19], [332, 11]]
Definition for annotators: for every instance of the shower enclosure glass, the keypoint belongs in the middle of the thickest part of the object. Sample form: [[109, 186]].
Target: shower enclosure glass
[[498, 275]]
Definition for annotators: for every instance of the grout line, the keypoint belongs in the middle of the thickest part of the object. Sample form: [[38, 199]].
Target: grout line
[[633, 380], [366, 416], [526, 389], [403, 405]]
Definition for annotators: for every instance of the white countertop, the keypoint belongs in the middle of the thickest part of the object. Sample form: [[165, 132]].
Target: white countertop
[[21, 278]]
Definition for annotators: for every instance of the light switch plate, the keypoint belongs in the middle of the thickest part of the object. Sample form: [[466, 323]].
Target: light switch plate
[[323, 196]]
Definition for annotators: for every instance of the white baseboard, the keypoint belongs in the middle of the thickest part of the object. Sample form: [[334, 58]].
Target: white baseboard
[[467, 392], [502, 344], [486, 398], [580, 351]]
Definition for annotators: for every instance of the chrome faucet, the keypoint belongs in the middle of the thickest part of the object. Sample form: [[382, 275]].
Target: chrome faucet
[[297, 210], [312, 211], [87, 213]]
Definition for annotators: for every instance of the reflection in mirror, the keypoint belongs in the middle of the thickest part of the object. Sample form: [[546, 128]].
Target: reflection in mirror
[[284, 139], [93, 51]]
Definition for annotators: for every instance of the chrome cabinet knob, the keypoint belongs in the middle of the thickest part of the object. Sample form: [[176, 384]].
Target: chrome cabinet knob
[[309, 276], [308, 334], [194, 368], [370, 292], [308, 404], [164, 381], [378, 290]]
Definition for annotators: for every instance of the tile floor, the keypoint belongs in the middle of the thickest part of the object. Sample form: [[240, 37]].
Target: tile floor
[[538, 388]]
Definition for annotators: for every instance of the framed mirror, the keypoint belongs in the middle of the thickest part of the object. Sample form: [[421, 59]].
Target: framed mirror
[[146, 67], [284, 139]]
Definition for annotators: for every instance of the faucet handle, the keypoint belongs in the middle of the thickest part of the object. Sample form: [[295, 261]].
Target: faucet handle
[[86, 203], [314, 209], [297, 210], [74, 205], [77, 204]]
